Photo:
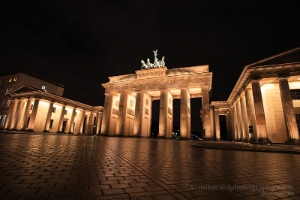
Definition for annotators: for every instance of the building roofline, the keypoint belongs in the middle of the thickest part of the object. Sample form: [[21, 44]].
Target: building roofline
[[33, 75]]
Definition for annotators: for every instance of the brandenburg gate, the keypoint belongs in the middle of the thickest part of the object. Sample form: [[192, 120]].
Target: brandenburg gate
[[128, 99]]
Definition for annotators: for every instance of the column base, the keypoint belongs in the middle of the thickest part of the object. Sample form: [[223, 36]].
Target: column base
[[70, 133], [46, 131], [30, 130], [263, 141], [209, 139], [292, 141]]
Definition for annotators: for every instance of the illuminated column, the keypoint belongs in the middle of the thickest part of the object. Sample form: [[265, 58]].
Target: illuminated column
[[250, 112], [61, 118], [228, 126], [17, 115], [106, 113], [20, 118], [99, 120], [81, 122], [262, 136], [138, 117], [240, 120], [122, 114], [185, 119], [288, 110], [244, 117], [217, 123], [33, 115], [26, 114], [212, 122], [205, 105], [71, 130], [236, 127], [90, 123], [11, 114], [87, 122], [47, 124], [165, 114]]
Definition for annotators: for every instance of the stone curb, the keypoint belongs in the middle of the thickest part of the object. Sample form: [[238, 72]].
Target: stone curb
[[247, 149]]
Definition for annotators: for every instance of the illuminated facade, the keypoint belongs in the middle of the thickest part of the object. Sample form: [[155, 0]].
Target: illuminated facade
[[36, 110], [264, 105], [128, 100]]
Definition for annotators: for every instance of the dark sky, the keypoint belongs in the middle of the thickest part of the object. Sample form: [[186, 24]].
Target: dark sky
[[81, 43]]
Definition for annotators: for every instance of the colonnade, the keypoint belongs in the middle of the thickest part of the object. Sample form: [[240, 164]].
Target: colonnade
[[37, 114]]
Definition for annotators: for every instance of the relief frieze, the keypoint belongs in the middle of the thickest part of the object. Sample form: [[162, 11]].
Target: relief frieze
[[130, 112]]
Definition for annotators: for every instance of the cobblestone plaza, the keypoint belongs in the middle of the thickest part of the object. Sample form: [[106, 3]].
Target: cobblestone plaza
[[55, 166]]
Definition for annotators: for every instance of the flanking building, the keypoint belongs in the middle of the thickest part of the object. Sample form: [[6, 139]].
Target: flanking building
[[30, 103], [264, 105]]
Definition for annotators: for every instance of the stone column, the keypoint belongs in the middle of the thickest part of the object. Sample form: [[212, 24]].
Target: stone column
[[71, 130], [236, 127], [228, 121], [163, 112], [262, 136], [205, 105], [86, 130], [49, 114], [20, 118], [251, 116], [61, 118], [18, 115], [98, 125], [217, 123], [122, 114], [185, 119], [11, 114], [240, 120], [90, 123], [138, 116], [288, 110], [106, 114], [26, 114], [244, 118], [81, 122], [212, 122], [33, 115]]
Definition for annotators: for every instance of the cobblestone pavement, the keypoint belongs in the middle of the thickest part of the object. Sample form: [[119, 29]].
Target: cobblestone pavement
[[87, 167]]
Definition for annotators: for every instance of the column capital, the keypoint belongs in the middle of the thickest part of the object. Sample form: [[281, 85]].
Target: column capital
[[283, 76], [255, 78]]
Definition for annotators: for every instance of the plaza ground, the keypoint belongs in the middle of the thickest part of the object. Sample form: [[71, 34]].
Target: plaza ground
[[56, 166]]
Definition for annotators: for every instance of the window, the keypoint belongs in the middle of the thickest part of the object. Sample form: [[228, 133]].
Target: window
[[295, 94], [298, 121], [43, 87], [15, 79], [10, 79], [51, 123], [9, 90], [54, 109], [8, 103], [3, 104], [3, 120]]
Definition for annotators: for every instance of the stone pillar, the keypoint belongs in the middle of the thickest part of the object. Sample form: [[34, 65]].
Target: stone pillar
[[262, 136], [122, 114], [288, 110], [20, 118], [163, 112], [26, 114], [98, 125], [138, 116], [61, 118], [90, 123], [11, 114], [250, 112], [49, 114], [244, 118], [236, 127], [217, 123], [81, 122], [106, 113], [33, 115], [212, 122], [205, 105], [240, 120], [228, 128], [87, 122], [71, 130], [185, 119], [18, 115]]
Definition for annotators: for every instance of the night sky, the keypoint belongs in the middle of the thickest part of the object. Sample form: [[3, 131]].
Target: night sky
[[81, 43]]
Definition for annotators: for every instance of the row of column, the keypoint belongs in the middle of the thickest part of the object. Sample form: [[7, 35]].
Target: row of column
[[20, 117], [165, 114], [248, 113]]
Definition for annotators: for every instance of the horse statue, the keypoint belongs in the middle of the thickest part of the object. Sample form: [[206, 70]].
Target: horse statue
[[144, 65], [150, 65]]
